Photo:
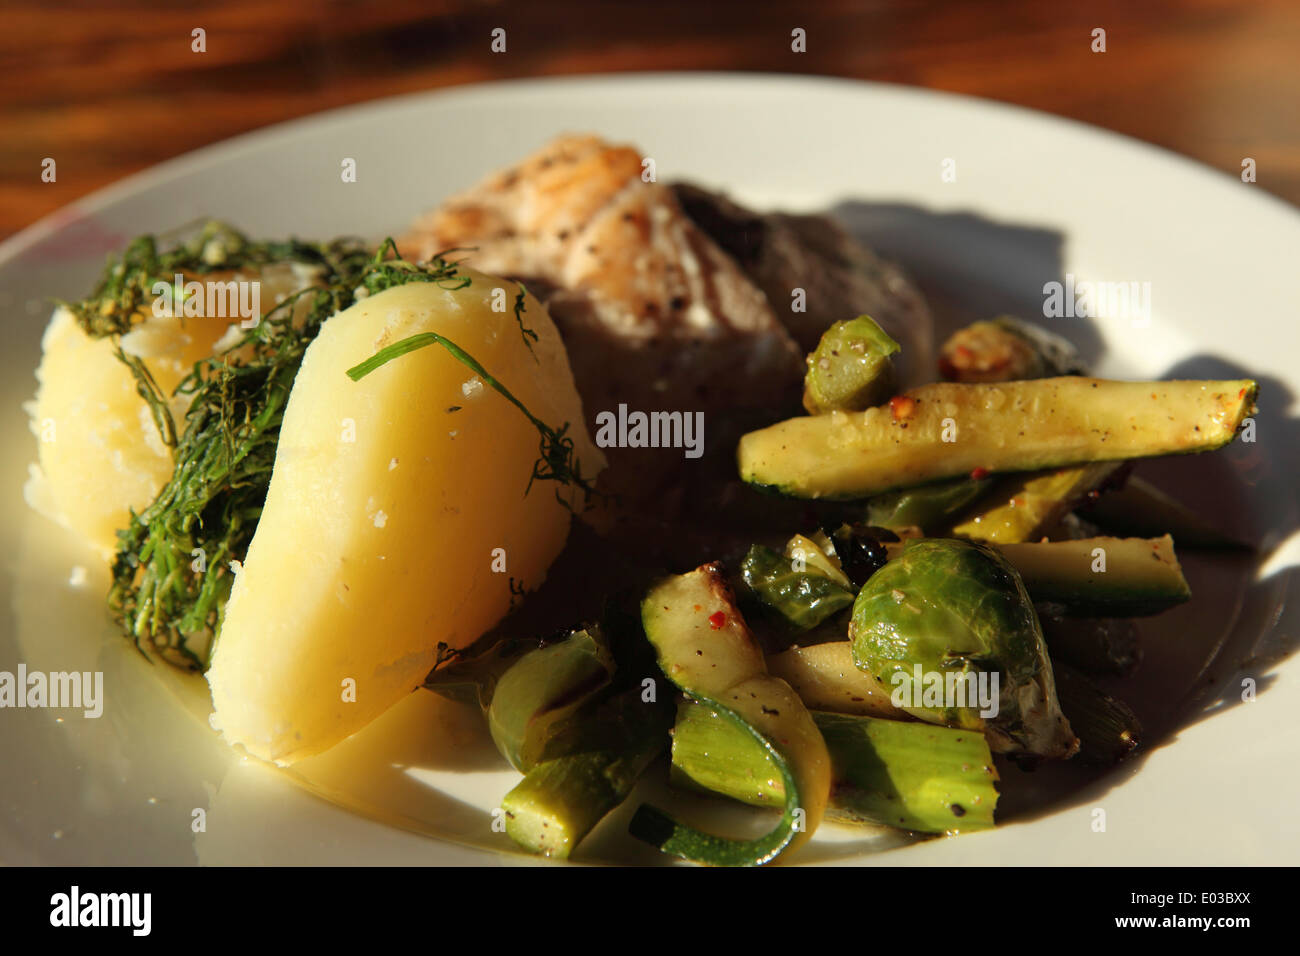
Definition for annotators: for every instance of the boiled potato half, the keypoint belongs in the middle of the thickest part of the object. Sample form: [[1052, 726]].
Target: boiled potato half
[[396, 517], [101, 455]]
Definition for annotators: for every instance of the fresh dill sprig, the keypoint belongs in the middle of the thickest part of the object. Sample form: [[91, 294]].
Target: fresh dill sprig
[[517, 592], [125, 293], [556, 453], [173, 570], [556, 458], [529, 335], [388, 269]]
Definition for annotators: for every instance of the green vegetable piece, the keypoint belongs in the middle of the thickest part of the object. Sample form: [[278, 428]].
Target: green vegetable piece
[[472, 678], [819, 555], [803, 599], [954, 614], [913, 776], [1098, 576], [562, 799], [536, 697], [1102, 577], [1021, 507], [928, 507], [850, 369], [705, 647], [948, 430], [1108, 729], [653, 826], [1140, 509], [1006, 349]]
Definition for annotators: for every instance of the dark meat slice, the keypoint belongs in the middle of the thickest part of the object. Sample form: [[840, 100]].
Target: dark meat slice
[[840, 277]]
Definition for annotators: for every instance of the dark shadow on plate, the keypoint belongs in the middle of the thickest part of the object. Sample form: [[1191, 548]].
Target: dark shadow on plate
[[1236, 627], [970, 267]]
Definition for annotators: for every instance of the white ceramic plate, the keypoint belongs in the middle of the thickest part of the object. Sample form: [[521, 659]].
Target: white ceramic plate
[[1034, 199]]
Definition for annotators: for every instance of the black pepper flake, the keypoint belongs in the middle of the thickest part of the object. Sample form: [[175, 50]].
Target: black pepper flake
[[958, 810], [453, 408]]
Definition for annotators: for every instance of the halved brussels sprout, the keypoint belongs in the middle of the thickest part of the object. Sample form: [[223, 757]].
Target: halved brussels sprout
[[947, 629]]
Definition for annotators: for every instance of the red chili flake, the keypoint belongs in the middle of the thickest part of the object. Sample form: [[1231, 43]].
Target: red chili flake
[[1242, 393], [978, 473], [717, 619], [902, 406]]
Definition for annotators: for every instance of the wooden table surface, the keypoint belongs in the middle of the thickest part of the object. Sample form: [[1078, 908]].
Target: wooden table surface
[[107, 90]]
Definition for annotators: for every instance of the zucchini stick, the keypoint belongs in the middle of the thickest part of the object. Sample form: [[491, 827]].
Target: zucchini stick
[[1098, 577], [1021, 507], [1102, 577], [560, 800], [947, 430], [912, 776]]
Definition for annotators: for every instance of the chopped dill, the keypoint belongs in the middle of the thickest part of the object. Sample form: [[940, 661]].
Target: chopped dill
[[177, 559], [529, 335], [556, 459], [124, 294], [388, 269], [517, 592], [173, 572]]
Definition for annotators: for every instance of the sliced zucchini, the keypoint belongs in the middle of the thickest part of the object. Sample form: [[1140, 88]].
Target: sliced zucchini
[[1102, 577], [561, 799], [947, 430], [706, 648], [912, 776], [534, 698], [1021, 507]]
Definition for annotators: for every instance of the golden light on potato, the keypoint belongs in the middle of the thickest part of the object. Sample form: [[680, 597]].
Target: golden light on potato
[[388, 499]]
